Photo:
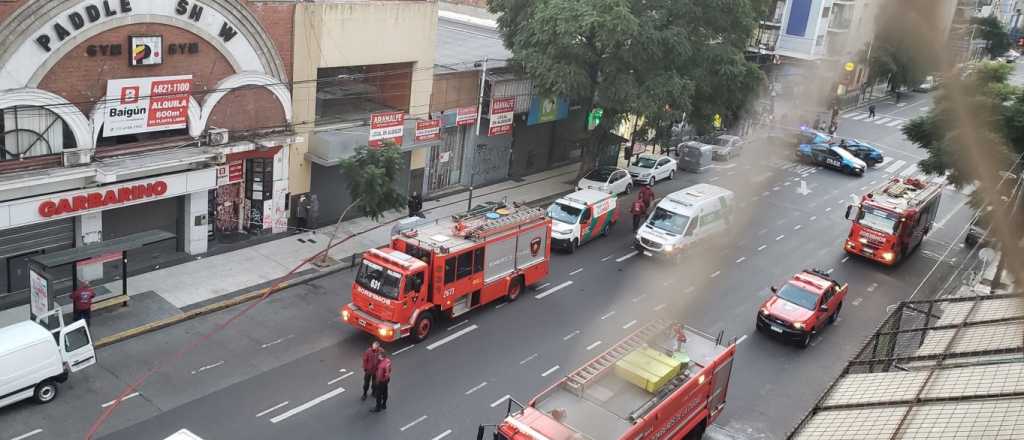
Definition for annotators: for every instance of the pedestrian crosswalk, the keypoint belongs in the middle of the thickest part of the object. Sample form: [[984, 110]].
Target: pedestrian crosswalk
[[889, 167], [888, 121]]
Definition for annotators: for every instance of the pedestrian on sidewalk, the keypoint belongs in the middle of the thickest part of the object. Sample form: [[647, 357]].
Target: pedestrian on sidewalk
[[370, 359], [313, 214], [639, 210], [898, 95], [415, 205], [82, 303], [871, 111], [301, 214], [381, 380]]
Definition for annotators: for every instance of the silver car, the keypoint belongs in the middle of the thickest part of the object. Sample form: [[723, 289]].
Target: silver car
[[726, 146]]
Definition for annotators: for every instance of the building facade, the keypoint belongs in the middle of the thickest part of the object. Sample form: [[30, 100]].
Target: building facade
[[121, 116]]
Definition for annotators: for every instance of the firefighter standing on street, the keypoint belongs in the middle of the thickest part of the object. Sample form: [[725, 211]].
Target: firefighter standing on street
[[370, 359], [381, 378], [638, 209]]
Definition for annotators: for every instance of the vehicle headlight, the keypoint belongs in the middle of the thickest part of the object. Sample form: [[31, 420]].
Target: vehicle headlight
[[344, 314], [668, 248], [798, 325], [887, 256], [863, 240], [764, 311], [384, 331]]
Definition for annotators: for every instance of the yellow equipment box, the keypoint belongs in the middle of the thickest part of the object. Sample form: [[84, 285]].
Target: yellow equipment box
[[647, 368]]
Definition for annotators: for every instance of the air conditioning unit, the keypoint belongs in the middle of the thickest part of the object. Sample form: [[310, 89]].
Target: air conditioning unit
[[77, 157], [218, 136]]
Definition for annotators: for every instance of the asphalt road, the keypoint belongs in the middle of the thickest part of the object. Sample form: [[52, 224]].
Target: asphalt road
[[288, 369]]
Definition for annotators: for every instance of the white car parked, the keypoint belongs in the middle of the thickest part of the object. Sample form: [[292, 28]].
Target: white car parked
[[650, 168], [612, 180]]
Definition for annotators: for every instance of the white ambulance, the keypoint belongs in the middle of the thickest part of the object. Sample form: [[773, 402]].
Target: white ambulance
[[684, 218], [580, 217]]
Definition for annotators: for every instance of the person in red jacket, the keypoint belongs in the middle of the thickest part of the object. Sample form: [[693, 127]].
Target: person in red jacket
[[82, 299], [370, 358], [639, 210], [647, 195], [381, 380]]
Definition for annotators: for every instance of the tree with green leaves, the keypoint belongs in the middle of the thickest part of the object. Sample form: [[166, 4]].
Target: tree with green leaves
[[904, 49], [665, 60], [992, 31]]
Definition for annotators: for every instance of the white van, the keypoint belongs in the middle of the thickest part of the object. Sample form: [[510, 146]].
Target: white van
[[683, 218], [580, 217], [32, 362]]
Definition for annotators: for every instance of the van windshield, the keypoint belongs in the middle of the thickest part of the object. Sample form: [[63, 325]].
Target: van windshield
[[668, 221], [378, 279], [564, 213]]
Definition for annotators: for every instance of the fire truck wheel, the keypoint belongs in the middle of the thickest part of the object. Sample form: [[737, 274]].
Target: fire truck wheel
[[839, 308], [806, 341], [514, 289], [423, 325]]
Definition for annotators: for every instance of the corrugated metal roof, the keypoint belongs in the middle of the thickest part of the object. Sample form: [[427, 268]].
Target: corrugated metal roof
[[460, 44]]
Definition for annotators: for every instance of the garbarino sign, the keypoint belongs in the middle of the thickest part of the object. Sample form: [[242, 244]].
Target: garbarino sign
[[140, 105], [102, 199]]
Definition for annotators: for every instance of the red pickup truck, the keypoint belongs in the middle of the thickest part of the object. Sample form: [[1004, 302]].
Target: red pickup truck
[[802, 307]]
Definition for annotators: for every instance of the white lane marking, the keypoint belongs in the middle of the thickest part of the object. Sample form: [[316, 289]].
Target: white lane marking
[[765, 194], [882, 120], [202, 369], [786, 183], [829, 271], [717, 273], [471, 390], [689, 289], [608, 315], [339, 379], [776, 188], [797, 227], [863, 187], [780, 237], [872, 287], [857, 301], [122, 399], [908, 171], [570, 335], [414, 422], [629, 324], [894, 123], [442, 435], [500, 305], [543, 286], [841, 202], [499, 401], [762, 247], [607, 258], [828, 209], [528, 359], [401, 350], [844, 259], [659, 307], [576, 271], [451, 337], [637, 299], [738, 341], [713, 179], [553, 290], [27, 435], [271, 409], [307, 405], [550, 370], [625, 257], [271, 343], [814, 217], [895, 166], [591, 346], [859, 117], [740, 260], [762, 231], [457, 325]]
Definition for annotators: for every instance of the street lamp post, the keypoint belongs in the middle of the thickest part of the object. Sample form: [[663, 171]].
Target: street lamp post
[[472, 174]]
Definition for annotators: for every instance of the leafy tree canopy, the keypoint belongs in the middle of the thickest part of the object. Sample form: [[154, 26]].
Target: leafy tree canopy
[[661, 59], [371, 173], [991, 30]]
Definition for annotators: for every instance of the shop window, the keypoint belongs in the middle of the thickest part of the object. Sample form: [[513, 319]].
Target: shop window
[[32, 131]]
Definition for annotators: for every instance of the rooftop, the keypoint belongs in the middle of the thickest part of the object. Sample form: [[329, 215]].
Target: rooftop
[[460, 44], [948, 368]]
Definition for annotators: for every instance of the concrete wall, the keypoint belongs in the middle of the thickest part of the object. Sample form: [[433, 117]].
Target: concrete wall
[[355, 34], [490, 161]]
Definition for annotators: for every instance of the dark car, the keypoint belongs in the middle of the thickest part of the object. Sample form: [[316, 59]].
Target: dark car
[[863, 151], [978, 232], [831, 156]]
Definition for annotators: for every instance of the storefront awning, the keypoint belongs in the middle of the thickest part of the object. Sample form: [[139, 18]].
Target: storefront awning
[[82, 253]]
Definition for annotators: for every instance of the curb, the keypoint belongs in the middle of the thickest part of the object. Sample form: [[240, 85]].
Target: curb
[[245, 297]]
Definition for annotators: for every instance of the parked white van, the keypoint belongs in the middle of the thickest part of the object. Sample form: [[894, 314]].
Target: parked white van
[[580, 217], [32, 362], [684, 218]]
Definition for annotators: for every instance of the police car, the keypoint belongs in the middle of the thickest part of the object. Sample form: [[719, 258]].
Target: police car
[[868, 153], [831, 156]]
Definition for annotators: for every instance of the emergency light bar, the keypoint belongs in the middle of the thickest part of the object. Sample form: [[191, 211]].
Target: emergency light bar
[[406, 263]]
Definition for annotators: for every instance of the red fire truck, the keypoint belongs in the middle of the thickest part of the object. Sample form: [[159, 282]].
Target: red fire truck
[[446, 268], [645, 387], [891, 221]]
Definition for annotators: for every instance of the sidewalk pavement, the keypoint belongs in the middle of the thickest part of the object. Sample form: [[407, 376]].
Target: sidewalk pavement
[[174, 290]]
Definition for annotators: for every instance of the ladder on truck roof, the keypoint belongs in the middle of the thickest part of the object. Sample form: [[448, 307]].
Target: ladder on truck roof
[[910, 192], [578, 380], [480, 226]]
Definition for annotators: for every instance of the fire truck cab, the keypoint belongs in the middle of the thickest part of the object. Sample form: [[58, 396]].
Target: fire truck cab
[[646, 386], [447, 268], [892, 220]]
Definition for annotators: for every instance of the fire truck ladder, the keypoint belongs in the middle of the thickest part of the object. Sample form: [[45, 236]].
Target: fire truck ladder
[[480, 226], [578, 381]]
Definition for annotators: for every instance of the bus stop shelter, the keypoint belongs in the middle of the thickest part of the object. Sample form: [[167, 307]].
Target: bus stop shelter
[[42, 279]]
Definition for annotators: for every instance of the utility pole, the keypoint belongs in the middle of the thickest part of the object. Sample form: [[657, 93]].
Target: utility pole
[[479, 118]]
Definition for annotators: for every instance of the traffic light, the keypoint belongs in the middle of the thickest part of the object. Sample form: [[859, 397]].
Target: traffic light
[[594, 118]]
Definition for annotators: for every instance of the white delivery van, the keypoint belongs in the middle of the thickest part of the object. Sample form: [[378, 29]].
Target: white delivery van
[[684, 218], [580, 217], [32, 362]]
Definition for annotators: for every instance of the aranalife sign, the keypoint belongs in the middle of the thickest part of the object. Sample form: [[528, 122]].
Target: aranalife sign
[[502, 114], [386, 127]]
